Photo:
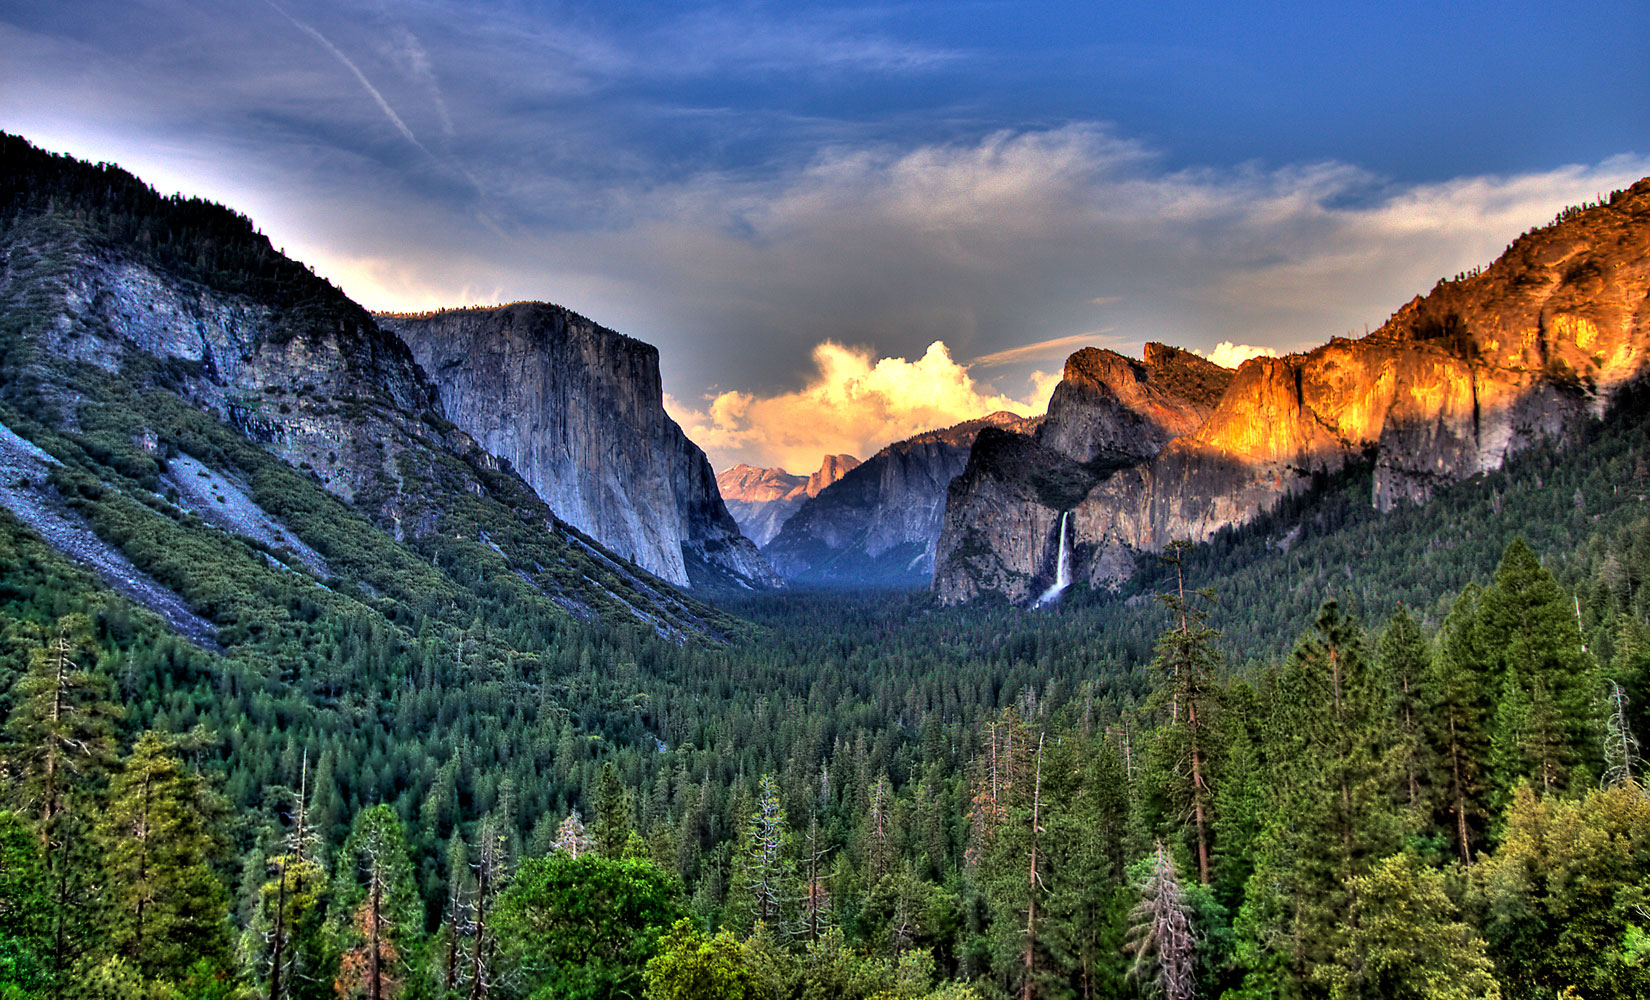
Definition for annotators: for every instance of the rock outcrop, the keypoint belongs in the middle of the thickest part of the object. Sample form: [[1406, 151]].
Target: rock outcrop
[[181, 310], [1452, 385], [879, 524], [578, 411], [762, 500]]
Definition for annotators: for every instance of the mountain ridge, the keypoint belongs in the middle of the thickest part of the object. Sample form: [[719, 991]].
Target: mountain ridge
[[1453, 384]]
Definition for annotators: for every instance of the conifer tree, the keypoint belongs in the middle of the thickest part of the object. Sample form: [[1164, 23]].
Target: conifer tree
[[290, 902], [1406, 668], [62, 730], [61, 735], [377, 920], [1460, 725], [1546, 726], [1184, 698], [1335, 782], [1622, 765], [765, 879], [166, 906], [612, 813], [25, 909]]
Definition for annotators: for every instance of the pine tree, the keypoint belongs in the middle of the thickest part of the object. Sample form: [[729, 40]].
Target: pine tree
[[571, 837], [1335, 782], [1406, 668], [377, 918], [289, 904], [25, 909], [166, 906], [1460, 726], [1547, 730], [612, 813], [62, 731], [1622, 765], [765, 878], [61, 734], [1185, 699]]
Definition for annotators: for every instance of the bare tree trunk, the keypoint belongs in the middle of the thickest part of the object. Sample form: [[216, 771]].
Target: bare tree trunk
[[375, 975], [1460, 796], [1032, 880]]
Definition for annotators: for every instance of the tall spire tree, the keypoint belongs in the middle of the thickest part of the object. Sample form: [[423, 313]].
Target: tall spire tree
[[1185, 697]]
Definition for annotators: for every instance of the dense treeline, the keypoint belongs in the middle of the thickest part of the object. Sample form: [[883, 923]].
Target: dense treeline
[[1384, 814]]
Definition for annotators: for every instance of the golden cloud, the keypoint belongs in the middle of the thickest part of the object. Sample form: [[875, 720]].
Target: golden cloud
[[853, 403]]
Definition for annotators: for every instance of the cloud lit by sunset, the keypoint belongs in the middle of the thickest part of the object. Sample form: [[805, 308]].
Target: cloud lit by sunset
[[854, 403]]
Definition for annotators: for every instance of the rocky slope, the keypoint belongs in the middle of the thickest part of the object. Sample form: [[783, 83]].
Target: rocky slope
[[1451, 385], [880, 522], [126, 319], [578, 411], [762, 500]]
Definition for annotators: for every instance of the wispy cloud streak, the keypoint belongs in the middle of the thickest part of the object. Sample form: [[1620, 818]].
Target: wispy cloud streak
[[383, 105]]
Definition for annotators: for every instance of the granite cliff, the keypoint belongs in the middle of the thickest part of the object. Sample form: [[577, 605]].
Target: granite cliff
[[1452, 385], [879, 523], [762, 500], [578, 411], [149, 340]]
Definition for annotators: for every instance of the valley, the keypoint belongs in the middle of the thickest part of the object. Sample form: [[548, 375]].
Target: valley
[[447, 667]]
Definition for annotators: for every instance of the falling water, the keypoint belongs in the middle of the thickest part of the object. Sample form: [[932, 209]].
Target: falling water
[[1062, 566]]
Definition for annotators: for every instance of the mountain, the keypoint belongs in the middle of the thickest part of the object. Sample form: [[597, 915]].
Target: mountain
[[762, 500], [878, 524], [170, 384], [1452, 385], [578, 411]]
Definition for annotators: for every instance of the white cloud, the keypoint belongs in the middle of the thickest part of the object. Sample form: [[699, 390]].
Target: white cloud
[[854, 402], [1229, 355]]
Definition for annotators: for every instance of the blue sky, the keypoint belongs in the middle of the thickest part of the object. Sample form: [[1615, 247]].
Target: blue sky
[[794, 202]]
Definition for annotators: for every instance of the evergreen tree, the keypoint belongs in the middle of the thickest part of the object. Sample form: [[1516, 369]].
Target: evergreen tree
[[166, 907], [612, 813], [1185, 701], [290, 905], [61, 735], [377, 919], [62, 730], [25, 909], [765, 879], [1406, 668], [1460, 726], [1335, 781], [1547, 725]]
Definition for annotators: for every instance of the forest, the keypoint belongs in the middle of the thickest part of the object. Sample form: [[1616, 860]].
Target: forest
[[1334, 753]]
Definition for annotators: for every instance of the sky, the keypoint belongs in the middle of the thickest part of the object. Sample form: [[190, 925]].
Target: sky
[[843, 223]]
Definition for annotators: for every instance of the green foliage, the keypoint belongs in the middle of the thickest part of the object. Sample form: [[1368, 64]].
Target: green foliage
[[161, 834], [25, 907], [586, 927], [693, 966], [1559, 896], [1409, 942]]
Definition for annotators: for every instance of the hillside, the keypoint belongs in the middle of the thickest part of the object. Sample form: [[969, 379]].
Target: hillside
[[1452, 386]]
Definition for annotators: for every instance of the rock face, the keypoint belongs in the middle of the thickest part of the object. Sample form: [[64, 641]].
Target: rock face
[[578, 411], [880, 522], [1450, 386], [208, 317], [1001, 525], [762, 500]]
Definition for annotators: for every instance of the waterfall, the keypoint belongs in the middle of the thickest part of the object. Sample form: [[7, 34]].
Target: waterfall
[[1062, 566]]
